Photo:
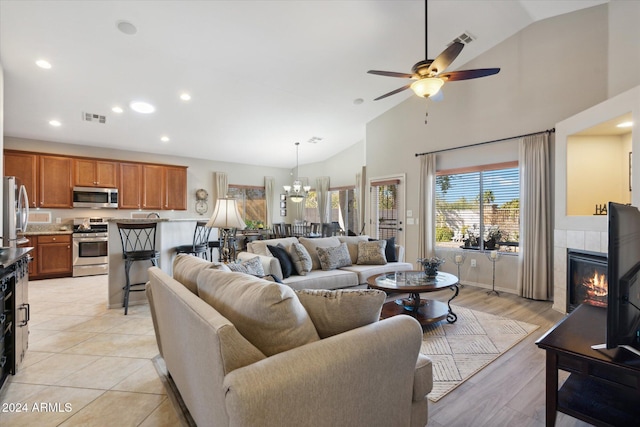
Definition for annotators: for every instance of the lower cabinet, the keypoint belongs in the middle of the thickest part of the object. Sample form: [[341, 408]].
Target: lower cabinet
[[54, 255]]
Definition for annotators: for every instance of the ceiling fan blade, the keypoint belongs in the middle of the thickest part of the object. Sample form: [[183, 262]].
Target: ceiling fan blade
[[390, 74], [445, 58], [468, 74], [393, 92]]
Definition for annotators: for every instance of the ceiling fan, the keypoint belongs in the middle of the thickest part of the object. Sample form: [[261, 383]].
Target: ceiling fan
[[429, 75]]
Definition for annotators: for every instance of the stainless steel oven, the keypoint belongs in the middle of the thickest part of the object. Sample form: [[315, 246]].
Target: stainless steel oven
[[90, 246]]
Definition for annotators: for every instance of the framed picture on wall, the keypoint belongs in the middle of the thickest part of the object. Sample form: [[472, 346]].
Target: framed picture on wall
[[283, 205], [283, 197], [283, 212]]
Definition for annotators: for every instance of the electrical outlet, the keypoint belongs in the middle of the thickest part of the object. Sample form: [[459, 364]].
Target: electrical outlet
[[473, 263]]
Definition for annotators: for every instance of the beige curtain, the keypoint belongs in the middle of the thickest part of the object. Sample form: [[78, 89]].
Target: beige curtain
[[427, 206], [360, 196], [269, 195], [324, 202], [220, 185], [535, 258]]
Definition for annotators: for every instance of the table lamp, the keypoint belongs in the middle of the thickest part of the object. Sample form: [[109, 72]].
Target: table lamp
[[226, 217]]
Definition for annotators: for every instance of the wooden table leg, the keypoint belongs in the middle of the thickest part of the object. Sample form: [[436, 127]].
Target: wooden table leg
[[551, 388]]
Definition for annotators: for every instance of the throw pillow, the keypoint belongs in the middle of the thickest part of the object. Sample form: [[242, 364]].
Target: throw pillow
[[300, 258], [311, 244], [283, 258], [269, 315], [335, 312], [352, 245], [372, 253], [186, 268], [251, 266], [334, 257], [390, 250]]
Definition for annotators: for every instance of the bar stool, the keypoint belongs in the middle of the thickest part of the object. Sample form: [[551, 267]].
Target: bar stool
[[200, 245], [138, 244]]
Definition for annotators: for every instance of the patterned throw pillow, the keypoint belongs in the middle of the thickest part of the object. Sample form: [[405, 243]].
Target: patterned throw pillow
[[300, 258], [334, 257], [390, 251], [251, 266], [372, 253]]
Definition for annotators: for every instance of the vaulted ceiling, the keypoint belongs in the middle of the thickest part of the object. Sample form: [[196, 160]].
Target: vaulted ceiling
[[261, 74]]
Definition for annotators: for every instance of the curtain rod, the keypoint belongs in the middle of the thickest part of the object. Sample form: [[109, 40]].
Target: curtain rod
[[486, 142]]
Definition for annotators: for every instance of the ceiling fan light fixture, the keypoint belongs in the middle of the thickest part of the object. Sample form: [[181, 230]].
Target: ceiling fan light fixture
[[427, 86]]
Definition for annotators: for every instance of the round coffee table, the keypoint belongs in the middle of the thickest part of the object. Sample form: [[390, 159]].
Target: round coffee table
[[414, 283]]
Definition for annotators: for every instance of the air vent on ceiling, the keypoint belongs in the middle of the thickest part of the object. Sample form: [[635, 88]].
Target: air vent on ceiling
[[95, 118], [464, 38], [314, 139]]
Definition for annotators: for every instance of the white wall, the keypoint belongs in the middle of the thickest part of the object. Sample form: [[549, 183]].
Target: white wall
[[624, 50], [549, 71]]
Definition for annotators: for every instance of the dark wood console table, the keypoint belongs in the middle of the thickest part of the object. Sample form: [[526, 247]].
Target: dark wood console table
[[603, 387]]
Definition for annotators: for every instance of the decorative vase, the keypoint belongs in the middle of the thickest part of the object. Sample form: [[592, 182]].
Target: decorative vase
[[430, 266]]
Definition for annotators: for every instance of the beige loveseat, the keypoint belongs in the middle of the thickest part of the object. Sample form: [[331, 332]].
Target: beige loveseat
[[279, 357], [353, 275]]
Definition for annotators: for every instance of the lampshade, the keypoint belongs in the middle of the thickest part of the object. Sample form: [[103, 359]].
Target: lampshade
[[427, 86], [226, 215]]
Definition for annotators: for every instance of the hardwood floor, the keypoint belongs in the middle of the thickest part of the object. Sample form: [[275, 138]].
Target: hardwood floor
[[510, 391]]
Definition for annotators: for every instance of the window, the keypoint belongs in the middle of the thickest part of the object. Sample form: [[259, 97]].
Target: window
[[252, 203], [479, 208], [343, 207], [384, 199]]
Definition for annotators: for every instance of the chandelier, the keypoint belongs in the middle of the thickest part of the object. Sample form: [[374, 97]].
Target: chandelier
[[296, 192]]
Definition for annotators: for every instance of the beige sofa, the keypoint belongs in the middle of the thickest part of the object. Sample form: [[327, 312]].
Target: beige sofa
[[354, 275], [279, 362]]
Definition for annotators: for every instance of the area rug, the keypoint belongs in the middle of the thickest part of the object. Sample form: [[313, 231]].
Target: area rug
[[461, 349]]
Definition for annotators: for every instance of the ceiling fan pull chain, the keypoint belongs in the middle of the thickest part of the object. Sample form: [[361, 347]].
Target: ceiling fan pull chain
[[426, 114]]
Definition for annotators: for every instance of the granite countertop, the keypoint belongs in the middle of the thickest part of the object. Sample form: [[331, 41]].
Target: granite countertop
[[45, 232], [9, 256], [137, 220]]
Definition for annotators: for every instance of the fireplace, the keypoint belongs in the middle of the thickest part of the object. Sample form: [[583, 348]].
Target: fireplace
[[586, 279]]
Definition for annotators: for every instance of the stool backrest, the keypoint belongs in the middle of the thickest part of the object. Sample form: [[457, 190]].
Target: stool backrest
[[201, 234], [138, 236]]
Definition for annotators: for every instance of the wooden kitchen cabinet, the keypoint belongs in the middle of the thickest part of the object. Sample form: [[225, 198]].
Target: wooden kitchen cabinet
[[24, 166], [54, 256], [130, 186], [152, 186], [95, 173], [55, 182], [175, 183], [33, 265]]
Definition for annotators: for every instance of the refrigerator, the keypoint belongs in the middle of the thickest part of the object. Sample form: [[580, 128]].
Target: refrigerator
[[15, 205]]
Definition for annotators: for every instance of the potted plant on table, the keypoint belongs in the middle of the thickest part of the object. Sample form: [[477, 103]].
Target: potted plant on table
[[494, 235], [430, 265]]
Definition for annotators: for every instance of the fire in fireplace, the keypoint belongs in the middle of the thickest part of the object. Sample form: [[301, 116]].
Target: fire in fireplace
[[586, 278]]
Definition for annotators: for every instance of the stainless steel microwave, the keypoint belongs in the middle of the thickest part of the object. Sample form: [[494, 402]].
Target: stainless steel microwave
[[93, 197]]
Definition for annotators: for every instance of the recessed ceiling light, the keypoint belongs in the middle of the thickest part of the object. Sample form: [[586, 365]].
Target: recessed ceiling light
[[142, 107], [126, 27], [55, 123], [117, 110], [625, 125], [164, 138], [43, 64], [358, 101], [185, 96]]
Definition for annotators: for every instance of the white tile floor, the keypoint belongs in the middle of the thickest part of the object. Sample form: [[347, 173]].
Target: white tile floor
[[86, 365]]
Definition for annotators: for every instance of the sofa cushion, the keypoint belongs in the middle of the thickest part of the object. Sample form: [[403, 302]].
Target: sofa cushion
[[186, 268], [319, 279], [334, 257], [312, 243], [372, 253], [283, 257], [334, 312], [352, 245], [366, 271], [390, 250], [252, 266], [259, 247], [269, 315], [300, 258]]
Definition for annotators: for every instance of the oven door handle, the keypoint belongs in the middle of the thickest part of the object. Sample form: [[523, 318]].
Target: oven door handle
[[90, 239]]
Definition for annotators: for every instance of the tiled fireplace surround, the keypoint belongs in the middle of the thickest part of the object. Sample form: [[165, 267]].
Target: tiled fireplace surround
[[593, 241]]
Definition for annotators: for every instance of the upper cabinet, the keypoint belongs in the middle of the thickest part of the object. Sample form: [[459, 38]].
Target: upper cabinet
[[50, 179], [55, 183], [24, 166], [95, 173]]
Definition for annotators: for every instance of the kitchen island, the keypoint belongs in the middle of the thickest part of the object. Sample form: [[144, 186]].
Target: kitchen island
[[169, 234]]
